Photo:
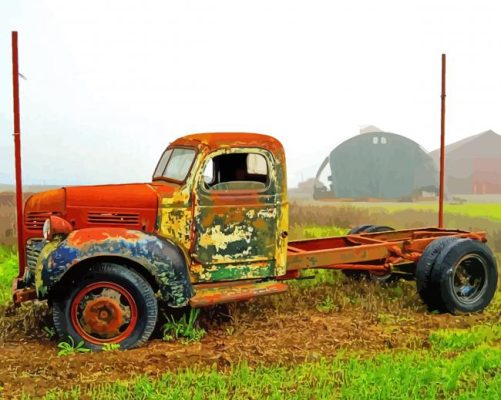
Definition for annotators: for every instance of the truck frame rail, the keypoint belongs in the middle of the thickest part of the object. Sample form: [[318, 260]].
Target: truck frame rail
[[368, 251]]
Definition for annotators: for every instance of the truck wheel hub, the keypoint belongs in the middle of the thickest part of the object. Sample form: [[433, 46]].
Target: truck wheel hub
[[104, 312], [104, 315]]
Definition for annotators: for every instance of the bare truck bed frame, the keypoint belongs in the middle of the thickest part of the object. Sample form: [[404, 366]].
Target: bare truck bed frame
[[382, 251]]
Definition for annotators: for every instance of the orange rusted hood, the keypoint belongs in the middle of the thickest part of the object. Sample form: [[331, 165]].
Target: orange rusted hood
[[136, 195], [131, 206], [50, 200]]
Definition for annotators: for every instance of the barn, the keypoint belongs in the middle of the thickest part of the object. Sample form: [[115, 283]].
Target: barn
[[473, 165], [377, 165]]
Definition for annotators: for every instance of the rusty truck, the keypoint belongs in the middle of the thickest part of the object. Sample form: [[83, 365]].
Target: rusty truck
[[212, 227]]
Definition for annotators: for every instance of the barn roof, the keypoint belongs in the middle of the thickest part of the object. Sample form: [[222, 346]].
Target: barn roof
[[482, 145]]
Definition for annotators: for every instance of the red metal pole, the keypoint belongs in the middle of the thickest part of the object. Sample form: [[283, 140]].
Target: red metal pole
[[442, 150], [17, 153]]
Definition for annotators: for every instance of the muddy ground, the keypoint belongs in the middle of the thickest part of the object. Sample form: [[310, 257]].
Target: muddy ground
[[285, 329]]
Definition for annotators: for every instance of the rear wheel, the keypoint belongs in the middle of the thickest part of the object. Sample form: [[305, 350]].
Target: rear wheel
[[466, 275], [110, 304], [429, 291], [376, 276]]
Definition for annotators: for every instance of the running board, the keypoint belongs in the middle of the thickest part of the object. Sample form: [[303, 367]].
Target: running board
[[218, 293]]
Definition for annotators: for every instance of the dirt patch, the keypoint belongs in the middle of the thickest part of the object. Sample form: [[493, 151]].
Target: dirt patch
[[257, 335]]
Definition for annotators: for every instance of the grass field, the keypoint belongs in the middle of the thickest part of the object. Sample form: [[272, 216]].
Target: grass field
[[489, 210], [326, 338], [461, 364]]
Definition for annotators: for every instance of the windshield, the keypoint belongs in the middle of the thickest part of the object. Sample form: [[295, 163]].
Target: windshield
[[175, 164]]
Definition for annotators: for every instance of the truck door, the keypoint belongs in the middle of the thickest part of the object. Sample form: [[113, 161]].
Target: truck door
[[235, 216]]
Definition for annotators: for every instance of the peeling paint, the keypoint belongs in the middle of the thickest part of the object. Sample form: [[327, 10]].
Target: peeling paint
[[214, 236], [159, 257]]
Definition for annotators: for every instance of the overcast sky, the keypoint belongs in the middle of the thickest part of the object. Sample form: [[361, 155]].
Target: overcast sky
[[111, 83]]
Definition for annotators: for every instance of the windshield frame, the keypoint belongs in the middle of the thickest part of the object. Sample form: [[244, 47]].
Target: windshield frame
[[166, 179]]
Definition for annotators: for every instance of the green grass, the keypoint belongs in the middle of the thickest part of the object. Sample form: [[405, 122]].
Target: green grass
[[473, 371], [311, 232], [8, 271], [458, 339], [185, 328], [489, 210]]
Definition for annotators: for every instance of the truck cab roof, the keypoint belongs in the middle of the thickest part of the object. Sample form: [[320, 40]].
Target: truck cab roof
[[218, 140]]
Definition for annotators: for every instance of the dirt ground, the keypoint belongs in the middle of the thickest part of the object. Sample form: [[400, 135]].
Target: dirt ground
[[255, 333]]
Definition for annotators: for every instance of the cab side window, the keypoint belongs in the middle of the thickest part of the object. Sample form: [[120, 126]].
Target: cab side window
[[237, 171]]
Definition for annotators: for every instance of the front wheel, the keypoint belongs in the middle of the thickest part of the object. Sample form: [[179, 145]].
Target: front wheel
[[110, 304]]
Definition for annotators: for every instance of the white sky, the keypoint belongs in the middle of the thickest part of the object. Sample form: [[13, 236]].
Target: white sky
[[111, 83]]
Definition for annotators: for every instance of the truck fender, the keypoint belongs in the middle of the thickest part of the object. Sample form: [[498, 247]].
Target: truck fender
[[160, 257]]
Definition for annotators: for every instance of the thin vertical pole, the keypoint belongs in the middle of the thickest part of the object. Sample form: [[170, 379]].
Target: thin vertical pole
[[17, 154], [442, 149]]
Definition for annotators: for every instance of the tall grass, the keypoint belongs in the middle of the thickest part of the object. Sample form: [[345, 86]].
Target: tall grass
[[473, 210], [467, 216], [8, 271]]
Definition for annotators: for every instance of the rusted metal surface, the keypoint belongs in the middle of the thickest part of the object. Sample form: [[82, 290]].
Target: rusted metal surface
[[17, 155], [218, 294], [442, 149], [159, 257], [217, 141], [104, 312], [20, 295], [362, 267], [379, 252]]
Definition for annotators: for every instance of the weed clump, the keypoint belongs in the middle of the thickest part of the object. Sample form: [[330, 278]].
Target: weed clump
[[70, 347], [185, 329]]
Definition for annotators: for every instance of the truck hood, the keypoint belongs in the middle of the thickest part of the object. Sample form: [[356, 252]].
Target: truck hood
[[136, 195], [132, 206]]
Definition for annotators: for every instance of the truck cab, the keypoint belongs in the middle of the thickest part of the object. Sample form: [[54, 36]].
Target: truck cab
[[228, 212]]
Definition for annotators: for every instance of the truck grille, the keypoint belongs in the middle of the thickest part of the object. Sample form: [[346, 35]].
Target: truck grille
[[111, 218], [34, 220], [33, 249]]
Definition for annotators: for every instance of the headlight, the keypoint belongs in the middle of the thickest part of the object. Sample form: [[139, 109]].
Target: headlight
[[55, 225], [46, 229]]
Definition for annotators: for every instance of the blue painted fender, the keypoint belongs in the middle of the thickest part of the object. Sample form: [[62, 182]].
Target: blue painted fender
[[163, 259]]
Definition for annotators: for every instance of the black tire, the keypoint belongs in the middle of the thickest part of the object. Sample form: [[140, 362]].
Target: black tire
[[87, 315], [359, 275], [359, 229], [429, 292], [378, 228], [467, 276]]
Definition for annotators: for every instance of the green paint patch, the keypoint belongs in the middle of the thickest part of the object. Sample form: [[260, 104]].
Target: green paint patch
[[230, 272]]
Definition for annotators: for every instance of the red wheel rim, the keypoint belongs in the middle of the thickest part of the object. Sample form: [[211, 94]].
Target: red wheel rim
[[103, 312]]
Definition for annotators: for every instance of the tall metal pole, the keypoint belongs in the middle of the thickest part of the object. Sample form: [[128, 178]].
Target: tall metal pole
[[442, 149], [17, 154]]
